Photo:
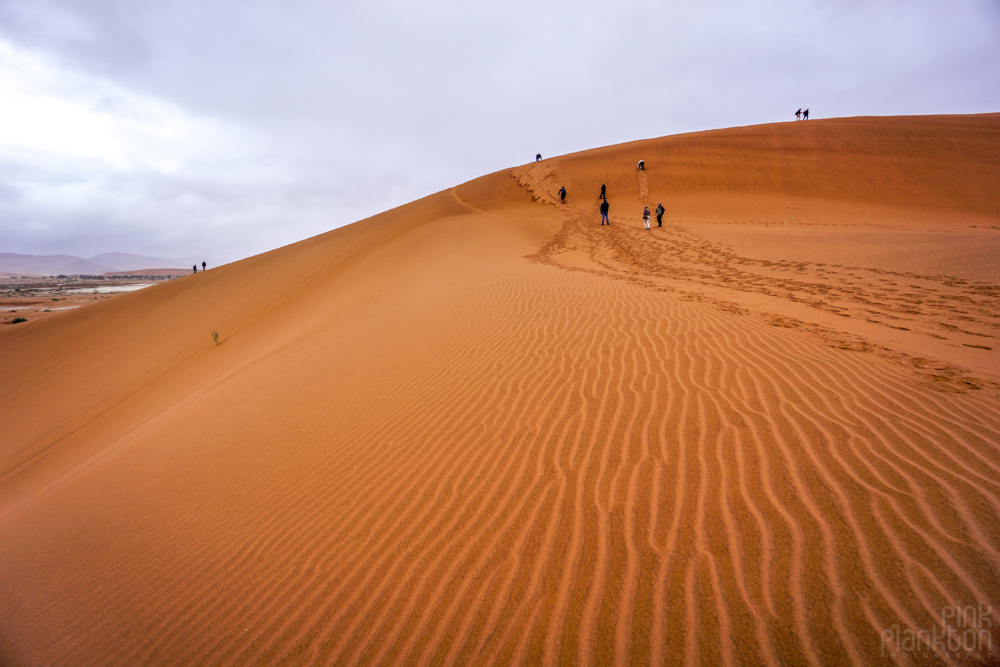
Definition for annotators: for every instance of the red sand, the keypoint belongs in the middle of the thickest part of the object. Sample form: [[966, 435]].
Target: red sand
[[481, 428]]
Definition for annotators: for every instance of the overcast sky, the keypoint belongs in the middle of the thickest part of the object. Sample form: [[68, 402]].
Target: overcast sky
[[228, 128]]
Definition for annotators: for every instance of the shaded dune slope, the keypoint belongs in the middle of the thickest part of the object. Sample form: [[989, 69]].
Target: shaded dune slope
[[481, 429]]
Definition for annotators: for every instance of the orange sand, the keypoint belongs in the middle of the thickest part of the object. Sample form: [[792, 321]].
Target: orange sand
[[483, 429]]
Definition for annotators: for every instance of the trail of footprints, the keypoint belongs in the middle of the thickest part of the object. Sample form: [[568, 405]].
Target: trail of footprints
[[584, 474], [938, 306]]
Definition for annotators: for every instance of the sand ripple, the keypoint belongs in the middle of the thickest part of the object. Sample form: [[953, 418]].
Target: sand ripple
[[593, 456]]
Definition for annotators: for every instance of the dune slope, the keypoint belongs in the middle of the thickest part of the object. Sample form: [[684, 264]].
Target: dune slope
[[483, 429]]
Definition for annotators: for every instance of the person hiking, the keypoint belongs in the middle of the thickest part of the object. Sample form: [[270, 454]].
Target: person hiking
[[538, 157], [603, 192], [805, 115], [562, 194], [798, 114], [641, 166], [195, 267], [645, 216], [204, 266], [659, 214], [604, 213]]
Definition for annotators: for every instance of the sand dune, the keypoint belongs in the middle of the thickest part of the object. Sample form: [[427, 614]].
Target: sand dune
[[483, 429]]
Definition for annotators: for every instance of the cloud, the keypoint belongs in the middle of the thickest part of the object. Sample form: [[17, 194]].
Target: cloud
[[82, 156], [56, 114], [239, 126]]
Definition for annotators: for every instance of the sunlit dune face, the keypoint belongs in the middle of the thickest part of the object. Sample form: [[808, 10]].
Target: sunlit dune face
[[483, 428]]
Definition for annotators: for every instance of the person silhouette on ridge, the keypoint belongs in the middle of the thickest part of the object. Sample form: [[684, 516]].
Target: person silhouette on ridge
[[195, 267], [805, 115], [204, 266], [538, 157], [798, 115], [603, 192]]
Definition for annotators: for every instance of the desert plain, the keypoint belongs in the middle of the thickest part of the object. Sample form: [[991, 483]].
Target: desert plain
[[482, 428]]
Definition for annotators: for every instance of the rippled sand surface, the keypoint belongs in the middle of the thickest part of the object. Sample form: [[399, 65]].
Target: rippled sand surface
[[484, 429]]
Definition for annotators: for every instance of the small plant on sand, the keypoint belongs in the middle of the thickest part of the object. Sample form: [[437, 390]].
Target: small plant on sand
[[215, 337], [18, 320]]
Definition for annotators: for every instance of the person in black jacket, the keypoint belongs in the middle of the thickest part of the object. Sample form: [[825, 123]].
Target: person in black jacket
[[659, 214], [604, 213], [562, 194]]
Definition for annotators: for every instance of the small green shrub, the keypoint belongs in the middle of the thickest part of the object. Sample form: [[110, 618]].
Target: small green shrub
[[18, 320], [215, 337]]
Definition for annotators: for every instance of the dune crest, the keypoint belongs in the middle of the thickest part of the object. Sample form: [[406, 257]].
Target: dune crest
[[483, 429]]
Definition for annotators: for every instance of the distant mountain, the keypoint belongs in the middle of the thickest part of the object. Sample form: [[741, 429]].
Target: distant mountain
[[123, 261], [150, 272], [80, 266], [54, 265], [43, 265]]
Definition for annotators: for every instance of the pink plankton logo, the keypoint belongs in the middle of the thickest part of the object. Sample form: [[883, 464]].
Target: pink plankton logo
[[961, 633]]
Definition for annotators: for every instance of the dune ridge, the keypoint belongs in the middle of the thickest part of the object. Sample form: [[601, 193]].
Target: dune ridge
[[481, 429]]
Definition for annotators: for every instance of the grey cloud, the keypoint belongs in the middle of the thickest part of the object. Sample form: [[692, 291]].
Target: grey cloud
[[355, 107], [9, 193]]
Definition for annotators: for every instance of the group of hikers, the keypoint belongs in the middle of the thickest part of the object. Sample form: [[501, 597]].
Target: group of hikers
[[659, 215], [605, 207], [204, 266]]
